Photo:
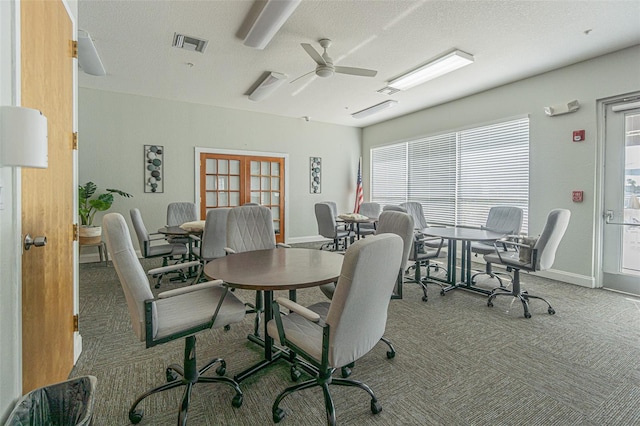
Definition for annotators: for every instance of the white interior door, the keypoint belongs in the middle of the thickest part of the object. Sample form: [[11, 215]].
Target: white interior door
[[621, 230]]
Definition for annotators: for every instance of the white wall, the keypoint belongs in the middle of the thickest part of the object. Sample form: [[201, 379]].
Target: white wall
[[113, 128], [10, 291], [557, 165]]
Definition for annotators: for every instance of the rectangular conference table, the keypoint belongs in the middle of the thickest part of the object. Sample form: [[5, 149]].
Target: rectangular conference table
[[466, 236], [270, 270]]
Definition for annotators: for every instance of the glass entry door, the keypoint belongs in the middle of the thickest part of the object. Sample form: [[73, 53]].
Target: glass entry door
[[235, 180], [621, 231]]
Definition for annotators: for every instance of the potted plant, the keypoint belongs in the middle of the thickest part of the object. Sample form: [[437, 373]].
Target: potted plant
[[88, 207]]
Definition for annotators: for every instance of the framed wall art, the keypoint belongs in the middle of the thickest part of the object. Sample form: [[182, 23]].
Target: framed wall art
[[153, 168], [315, 175]]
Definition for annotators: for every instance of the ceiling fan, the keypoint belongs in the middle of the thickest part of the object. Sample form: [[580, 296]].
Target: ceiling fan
[[325, 66]]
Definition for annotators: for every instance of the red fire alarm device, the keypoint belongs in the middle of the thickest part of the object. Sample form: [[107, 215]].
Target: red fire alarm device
[[578, 135], [577, 196]]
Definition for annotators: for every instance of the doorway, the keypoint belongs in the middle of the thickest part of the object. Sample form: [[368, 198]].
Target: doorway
[[621, 195]]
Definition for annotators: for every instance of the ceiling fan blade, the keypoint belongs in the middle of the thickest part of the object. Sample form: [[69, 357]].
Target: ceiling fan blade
[[303, 75], [313, 53], [356, 71]]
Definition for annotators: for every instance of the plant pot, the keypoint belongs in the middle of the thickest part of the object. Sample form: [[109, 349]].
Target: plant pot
[[90, 235]]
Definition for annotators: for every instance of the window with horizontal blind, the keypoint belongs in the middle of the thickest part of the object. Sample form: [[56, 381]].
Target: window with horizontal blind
[[457, 176]]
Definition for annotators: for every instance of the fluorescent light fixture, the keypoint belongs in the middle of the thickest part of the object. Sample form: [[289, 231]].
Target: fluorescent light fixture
[[23, 137], [269, 84], [272, 16], [374, 109], [436, 68], [88, 57]]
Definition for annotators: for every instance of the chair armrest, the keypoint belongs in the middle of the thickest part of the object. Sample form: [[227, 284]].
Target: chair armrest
[[189, 289], [283, 245], [170, 268], [298, 309], [229, 250]]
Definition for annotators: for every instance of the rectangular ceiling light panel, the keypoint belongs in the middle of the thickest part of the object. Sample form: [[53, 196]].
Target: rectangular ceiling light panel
[[374, 109], [273, 16], [269, 85], [443, 65]]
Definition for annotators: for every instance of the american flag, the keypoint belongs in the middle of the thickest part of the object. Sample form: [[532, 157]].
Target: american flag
[[359, 193]]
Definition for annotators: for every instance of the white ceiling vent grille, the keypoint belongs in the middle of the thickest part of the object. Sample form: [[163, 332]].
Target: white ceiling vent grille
[[189, 43], [388, 90]]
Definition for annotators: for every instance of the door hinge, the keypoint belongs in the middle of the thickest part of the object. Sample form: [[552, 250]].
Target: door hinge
[[76, 232], [74, 49], [75, 322], [74, 141]]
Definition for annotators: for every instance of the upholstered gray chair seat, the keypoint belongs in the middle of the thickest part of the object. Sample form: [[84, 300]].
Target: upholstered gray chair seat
[[189, 310], [166, 250]]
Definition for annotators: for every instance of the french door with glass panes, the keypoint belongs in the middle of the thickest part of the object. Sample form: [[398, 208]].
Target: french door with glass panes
[[235, 180]]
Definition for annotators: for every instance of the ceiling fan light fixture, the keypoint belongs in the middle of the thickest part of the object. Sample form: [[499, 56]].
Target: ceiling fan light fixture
[[436, 68], [267, 86], [374, 109], [88, 57], [270, 19]]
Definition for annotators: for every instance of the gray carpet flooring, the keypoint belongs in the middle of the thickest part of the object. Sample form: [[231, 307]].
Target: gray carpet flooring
[[459, 362]]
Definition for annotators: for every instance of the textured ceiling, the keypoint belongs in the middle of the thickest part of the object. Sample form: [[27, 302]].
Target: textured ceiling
[[510, 40]]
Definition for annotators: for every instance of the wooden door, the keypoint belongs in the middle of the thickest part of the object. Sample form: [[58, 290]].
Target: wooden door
[[47, 197], [234, 180]]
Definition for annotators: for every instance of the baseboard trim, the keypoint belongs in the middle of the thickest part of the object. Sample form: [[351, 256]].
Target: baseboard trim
[[77, 346]]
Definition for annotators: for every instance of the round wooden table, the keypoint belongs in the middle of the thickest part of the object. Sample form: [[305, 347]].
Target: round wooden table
[[270, 270]]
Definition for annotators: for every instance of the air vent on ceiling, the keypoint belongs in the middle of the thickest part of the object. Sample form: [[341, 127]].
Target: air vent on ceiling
[[189, 43], [388, 90]]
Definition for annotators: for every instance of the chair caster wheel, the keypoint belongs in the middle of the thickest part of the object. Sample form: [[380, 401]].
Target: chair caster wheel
[[236, 402], [376, 408], [345, 372], [278, 415], [227, 327], [490, 303], [425, 298], [135, 416], [295, 374], [222, 369], [171, 375], [442, 293], [527, 315], [156, 286], [391, 354], [551, 311]]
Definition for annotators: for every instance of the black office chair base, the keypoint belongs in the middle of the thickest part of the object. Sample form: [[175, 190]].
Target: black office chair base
[[391, 353], [187, 376], [324, 381], [523, 296], [488, 271]]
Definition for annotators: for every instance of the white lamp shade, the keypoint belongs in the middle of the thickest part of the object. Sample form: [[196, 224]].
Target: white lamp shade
[[88, 57], [23, 137]]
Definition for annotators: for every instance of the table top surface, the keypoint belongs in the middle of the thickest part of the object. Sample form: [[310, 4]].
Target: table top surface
[[467, 234], [276, 269]]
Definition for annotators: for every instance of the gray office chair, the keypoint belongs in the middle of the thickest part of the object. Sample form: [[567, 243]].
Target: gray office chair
[[169, 252], [332, 335], [250, 228], [534, 255], [502, 219], [171, 315], [328, 228], [372, 211], [179, 213], [390, 222], [214, 236]]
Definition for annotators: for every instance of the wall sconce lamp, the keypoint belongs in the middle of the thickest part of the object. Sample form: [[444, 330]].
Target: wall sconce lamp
[[267, 21], [23, 137], [267, 86], [88, 57]]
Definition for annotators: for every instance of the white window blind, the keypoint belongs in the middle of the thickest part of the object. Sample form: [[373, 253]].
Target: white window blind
[[458, 176]]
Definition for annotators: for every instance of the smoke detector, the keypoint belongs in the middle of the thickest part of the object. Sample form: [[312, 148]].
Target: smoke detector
[[186, 42]]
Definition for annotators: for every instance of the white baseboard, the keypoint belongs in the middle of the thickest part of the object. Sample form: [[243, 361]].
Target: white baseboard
[[77, 346]]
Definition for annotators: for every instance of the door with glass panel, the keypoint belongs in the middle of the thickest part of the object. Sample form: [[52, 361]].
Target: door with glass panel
[[621, 230], [234, 180]]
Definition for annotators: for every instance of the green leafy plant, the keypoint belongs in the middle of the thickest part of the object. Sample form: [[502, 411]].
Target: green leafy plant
[[88, 207]]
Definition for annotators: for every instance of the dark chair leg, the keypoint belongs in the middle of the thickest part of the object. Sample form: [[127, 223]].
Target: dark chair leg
[[516, 291]]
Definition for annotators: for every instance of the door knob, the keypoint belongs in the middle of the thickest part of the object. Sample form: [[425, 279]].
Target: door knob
[[37, 241]]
